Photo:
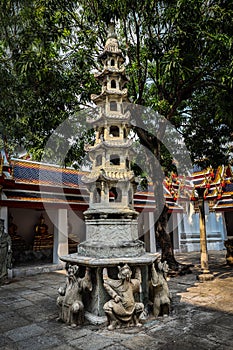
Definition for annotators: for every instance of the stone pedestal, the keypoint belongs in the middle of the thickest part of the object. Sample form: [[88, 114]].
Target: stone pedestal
[[94, 301]]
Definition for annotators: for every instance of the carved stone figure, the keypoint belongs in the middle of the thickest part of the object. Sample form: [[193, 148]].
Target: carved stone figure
[[5, 253], [159, 292], [229, 255], [18, 243], [122, 310], [70, 298]]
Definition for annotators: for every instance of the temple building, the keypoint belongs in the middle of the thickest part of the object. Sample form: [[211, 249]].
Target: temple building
[[50, 218], [24, 201]]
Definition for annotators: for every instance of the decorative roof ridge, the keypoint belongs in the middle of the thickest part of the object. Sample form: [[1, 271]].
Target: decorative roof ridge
[[109, 143], [124, 116], [108, 92], [111, 70]]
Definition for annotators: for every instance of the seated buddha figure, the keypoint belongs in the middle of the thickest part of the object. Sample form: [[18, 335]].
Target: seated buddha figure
[[42, 239], [18, 243]]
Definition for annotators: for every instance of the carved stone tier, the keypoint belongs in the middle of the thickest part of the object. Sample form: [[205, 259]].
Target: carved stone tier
[[111, 230], [100, 249], [143, 260]]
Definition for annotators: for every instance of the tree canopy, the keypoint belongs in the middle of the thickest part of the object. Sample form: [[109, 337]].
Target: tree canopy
[[179, 56], [179, 59]]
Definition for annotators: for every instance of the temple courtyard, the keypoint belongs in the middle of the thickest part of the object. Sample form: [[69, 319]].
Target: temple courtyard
[[201, 317]]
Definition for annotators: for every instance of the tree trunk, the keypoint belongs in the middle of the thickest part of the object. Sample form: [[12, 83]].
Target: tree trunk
[[152, 152], [164, 240]]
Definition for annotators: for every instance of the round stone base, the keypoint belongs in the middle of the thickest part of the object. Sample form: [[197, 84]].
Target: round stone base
[[77, 259]]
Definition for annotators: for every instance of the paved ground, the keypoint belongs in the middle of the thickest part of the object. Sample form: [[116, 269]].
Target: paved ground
[[201, 318]]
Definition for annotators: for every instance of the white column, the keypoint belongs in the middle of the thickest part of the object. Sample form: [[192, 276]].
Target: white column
[[60, 245], [4, 216], [152, 233], [220, 218]]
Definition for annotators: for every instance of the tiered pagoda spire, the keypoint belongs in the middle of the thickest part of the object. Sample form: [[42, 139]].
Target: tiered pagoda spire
[[111, 182]]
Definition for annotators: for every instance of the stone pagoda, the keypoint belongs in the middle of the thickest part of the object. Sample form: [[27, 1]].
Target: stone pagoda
[[111, 221]]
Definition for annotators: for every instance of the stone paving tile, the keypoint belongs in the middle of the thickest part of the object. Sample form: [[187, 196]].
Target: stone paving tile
[[11, 321], [39, 343], [204, 315], [191, 343], [117, 334], [142, 341], [68, 334], [35, 314], [223, 320], [25, 332], [214, 333], [95, 342], [51, 291], [63, 347], [35, 296], [4, 342], [9, 300], [116, 347], [21, 304], [193, 323], [3, 310], [9, 346]]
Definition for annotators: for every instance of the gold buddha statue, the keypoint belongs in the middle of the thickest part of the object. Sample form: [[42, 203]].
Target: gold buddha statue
[[42, 239], [18, 243]]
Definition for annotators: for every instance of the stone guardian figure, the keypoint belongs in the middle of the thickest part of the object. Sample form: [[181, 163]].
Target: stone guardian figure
[[5, 253], [70, 298], [122, 310], [159, 292]]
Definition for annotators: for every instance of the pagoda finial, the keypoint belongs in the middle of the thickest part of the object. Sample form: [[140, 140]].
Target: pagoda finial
[[111, 30], [111, 44]]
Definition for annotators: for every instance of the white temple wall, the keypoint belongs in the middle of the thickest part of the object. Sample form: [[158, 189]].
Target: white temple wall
[[146, 230], [4, 216], [76, 226], [189, 234], [184, 227], [27, 219], [184, 231]]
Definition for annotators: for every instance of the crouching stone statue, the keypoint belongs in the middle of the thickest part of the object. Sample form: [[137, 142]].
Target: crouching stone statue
[[159, 292], [122, 310], [229, 256], [5, 253], [70, 298]]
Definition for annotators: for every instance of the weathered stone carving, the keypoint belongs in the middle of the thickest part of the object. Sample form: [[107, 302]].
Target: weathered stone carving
[[70, 298], [159, 292], [122, 310], [5, 253], [229, 255]]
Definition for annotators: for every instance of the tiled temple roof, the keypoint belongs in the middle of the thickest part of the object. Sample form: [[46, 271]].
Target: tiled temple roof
[[43, 174], [64, 185]]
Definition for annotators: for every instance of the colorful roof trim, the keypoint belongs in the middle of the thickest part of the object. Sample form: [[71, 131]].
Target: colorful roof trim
[[21, 174], [42, 174]]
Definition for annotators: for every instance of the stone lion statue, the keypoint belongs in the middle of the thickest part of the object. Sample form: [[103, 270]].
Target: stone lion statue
[[160, 296]]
